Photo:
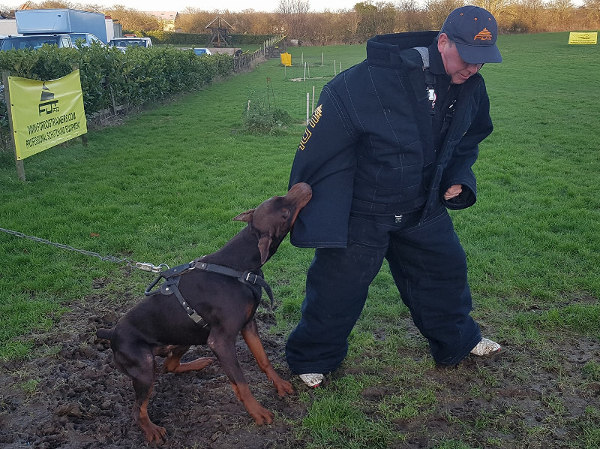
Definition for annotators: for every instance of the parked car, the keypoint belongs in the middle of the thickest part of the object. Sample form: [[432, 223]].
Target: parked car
[[202, 51], [86, 39], [35, 41], [122, 43]]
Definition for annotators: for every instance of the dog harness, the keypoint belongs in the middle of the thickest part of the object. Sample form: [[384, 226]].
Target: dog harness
[[172, 276]]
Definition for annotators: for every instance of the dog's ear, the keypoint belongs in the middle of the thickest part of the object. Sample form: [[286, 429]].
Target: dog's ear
[[264, 243], [245, 216]]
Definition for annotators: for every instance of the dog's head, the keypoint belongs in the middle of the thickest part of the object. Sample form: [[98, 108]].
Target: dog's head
[[274, 218]]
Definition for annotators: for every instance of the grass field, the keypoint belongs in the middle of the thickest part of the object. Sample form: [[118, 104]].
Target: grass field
[[163, 186]]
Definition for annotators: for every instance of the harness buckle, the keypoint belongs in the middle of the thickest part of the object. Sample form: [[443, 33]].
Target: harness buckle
[[251, 278], [197, 319]]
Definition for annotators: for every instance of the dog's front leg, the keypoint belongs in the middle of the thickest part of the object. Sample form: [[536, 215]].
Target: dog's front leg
[[223, 346], [250, 334]]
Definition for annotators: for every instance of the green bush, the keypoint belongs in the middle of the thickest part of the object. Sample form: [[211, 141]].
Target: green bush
[[260, 118], [111, 77]]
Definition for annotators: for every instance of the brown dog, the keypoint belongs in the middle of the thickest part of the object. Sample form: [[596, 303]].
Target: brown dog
[[209, 302]]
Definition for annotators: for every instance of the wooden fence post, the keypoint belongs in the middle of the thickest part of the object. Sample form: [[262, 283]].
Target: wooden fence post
[[19, 163]]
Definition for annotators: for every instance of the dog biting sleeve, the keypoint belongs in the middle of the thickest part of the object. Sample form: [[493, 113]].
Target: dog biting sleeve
[[326, 160]]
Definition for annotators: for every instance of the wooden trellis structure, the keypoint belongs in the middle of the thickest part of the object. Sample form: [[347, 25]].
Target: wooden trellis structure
[[220, 29]]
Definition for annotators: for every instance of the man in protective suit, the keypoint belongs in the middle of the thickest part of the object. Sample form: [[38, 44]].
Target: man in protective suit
[[387, 151]]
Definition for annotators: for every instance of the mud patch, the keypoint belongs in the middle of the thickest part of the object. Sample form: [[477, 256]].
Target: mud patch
[[72, 396], [69, 394]]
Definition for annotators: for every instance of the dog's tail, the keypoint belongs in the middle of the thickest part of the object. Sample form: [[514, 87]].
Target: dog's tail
[[106, 334]]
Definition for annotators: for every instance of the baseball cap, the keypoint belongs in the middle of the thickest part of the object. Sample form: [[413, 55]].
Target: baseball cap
[[474, 31]]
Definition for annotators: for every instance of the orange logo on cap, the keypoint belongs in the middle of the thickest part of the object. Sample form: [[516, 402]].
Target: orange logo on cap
[[483, 35]]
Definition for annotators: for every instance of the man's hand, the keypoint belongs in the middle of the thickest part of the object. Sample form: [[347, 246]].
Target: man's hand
[[453, 192]]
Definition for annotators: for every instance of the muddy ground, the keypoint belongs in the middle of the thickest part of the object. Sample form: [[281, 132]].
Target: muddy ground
[[82, 401]]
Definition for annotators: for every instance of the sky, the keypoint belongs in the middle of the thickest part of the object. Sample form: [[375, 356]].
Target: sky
[[205, 5], [212, 5]]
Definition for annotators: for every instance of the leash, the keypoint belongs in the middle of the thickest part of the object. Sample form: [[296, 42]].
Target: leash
[[173, 275], [144, 266]]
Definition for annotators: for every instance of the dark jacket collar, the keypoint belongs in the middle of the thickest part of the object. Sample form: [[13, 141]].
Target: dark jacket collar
[[384, 50], [436, 65]]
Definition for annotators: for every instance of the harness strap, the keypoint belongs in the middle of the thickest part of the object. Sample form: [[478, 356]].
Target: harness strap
[[173, 275], [245, 277], [172, 286], [429, 77]]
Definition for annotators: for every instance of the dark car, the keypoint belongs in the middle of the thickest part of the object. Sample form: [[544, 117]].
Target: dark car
[[122, 43], [35, 41]]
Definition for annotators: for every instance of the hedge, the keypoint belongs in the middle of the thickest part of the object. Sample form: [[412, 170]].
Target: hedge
[[202, 40], [110, 77]]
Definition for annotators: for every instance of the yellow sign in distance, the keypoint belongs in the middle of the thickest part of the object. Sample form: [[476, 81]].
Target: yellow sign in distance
[[583, 37], [45, 113], [286, 59]]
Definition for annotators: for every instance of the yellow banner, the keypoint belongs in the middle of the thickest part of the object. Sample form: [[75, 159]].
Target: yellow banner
[[583, 38], [286, 59], [45, 113]]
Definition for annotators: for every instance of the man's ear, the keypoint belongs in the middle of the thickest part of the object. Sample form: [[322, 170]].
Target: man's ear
[[264, 243], [245, 216], [442, 41]]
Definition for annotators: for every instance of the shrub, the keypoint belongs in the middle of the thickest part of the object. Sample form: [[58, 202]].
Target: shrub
[[111, 77], [260, 118]]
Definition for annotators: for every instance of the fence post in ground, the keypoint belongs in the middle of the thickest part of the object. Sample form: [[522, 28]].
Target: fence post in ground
[[307, 104], [18, 162]]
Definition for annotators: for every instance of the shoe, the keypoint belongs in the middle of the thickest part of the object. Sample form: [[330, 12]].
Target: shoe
[[486, 347], [313, 380]]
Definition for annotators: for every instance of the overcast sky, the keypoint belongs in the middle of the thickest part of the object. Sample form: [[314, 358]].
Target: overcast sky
[[205, 5]]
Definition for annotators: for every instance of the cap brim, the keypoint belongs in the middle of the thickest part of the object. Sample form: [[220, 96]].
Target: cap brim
[[478, 54]]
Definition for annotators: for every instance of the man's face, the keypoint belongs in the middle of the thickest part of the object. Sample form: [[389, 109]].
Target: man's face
[[458, 70]]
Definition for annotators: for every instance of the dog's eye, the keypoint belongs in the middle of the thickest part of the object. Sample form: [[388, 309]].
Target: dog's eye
[[285, 214]]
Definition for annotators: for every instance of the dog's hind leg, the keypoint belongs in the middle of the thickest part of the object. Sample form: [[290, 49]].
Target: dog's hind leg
[[138, 363], [250, 334], [173, 361]]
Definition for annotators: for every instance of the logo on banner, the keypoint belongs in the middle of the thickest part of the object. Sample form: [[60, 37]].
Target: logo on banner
[[48, 104]]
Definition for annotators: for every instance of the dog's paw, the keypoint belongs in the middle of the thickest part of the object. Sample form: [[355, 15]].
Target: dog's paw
[[283, 388], [262, 416], [154, 433]]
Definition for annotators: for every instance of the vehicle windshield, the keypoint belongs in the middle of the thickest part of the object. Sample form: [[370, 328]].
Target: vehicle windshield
[[31, 42], [128, 43]]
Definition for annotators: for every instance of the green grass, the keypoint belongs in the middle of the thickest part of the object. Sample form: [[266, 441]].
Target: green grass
[[164, 186]]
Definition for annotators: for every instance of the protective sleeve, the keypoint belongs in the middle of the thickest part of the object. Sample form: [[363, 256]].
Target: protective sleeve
[[459, 169], [326, 159]]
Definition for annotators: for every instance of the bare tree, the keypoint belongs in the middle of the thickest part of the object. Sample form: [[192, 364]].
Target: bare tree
[[593, 11], [560, 14], [438, 10], [496, 7], [410, 17], [530, 15], [133, 20], [293, 16]]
